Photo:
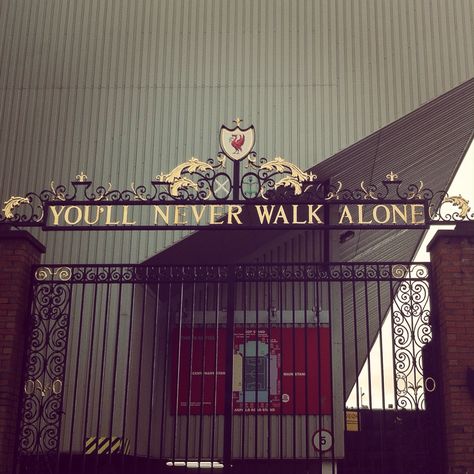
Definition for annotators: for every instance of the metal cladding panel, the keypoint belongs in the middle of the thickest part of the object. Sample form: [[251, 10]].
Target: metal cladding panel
[[125, 89]]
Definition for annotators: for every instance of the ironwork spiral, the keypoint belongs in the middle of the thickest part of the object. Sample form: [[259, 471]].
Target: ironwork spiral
[[411, 332], [45, 367]]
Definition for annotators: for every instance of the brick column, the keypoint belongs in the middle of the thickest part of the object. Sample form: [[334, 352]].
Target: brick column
[[452, 256], [18, 252]]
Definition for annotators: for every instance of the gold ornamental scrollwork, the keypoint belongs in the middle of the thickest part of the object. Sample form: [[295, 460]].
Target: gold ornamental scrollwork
[[461, 203], [296, 178], [399, 271], [182, 183], [334, 194], [368, 194], [139, 196], [417, 193], [13, 203], [102, 193], [43, 273], [57, 195], [177, 181], [47, 273]]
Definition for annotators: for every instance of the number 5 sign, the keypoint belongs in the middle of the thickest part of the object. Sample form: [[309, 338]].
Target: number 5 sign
[[322, 440]]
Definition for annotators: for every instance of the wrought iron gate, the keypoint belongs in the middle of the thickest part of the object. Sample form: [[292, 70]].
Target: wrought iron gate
[[134, 368]]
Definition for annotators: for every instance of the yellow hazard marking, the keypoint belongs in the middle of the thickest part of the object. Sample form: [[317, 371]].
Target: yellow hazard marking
[[106, 445]]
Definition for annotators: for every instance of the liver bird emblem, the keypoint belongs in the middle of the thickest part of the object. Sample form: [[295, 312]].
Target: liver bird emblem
[[237, 141]]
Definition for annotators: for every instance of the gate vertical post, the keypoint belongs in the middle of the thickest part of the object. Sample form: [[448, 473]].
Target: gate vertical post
[[19, 251], [452, 256], [229, 365]]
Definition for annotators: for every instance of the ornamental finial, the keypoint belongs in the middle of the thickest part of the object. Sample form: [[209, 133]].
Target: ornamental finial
[[392, 176], [237, 121], [82, 177]]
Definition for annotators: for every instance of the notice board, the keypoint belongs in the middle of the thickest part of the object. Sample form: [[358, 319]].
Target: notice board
[[276, 370]]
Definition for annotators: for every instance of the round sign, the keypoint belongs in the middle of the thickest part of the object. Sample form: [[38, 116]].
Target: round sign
[[322, 440]]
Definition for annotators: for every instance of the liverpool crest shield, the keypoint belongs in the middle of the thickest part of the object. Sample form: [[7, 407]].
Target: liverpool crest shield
[[237, 143]]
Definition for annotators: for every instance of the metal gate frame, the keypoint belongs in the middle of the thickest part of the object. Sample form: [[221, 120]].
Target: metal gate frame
[[40, 417]]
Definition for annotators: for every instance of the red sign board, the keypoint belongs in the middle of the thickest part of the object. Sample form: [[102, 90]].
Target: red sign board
[[278, 370]]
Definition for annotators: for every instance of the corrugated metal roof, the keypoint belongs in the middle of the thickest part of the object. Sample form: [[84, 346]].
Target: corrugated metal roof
[[428, 144]]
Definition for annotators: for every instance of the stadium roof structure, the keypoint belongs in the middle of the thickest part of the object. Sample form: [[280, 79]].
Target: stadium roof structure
[[428, 144]]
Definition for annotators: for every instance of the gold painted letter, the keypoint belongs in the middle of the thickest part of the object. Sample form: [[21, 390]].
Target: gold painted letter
[[396, 211], [56, 214], [360, 208], [216, 212], [415, 214], [87, 217], [165, 217], [125, 217], [375, 214], [346, 215], [67, 215], [198, 215], [180, 211], [313, 214], [295, 215], [234, 211], [264, 214], [281, 214], [108, 220]]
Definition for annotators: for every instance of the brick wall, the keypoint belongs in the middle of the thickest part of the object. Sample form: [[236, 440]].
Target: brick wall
[[452, 256], [18, 252]]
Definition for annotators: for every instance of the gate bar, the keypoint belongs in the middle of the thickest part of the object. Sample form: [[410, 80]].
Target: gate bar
[[89, 370], [76, 371], [229, 349]]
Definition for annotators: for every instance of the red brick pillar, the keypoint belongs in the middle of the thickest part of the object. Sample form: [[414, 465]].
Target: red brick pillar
[[18, 252], [452, 256]]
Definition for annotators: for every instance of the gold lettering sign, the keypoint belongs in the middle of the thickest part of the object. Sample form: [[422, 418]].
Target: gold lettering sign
[[263, 193], [382, 214], [250, 215]]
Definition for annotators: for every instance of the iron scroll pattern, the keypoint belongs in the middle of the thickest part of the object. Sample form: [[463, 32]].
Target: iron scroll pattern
[[411, 328], [124, 273], [396, 272], [45, 362], [258, 181]]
